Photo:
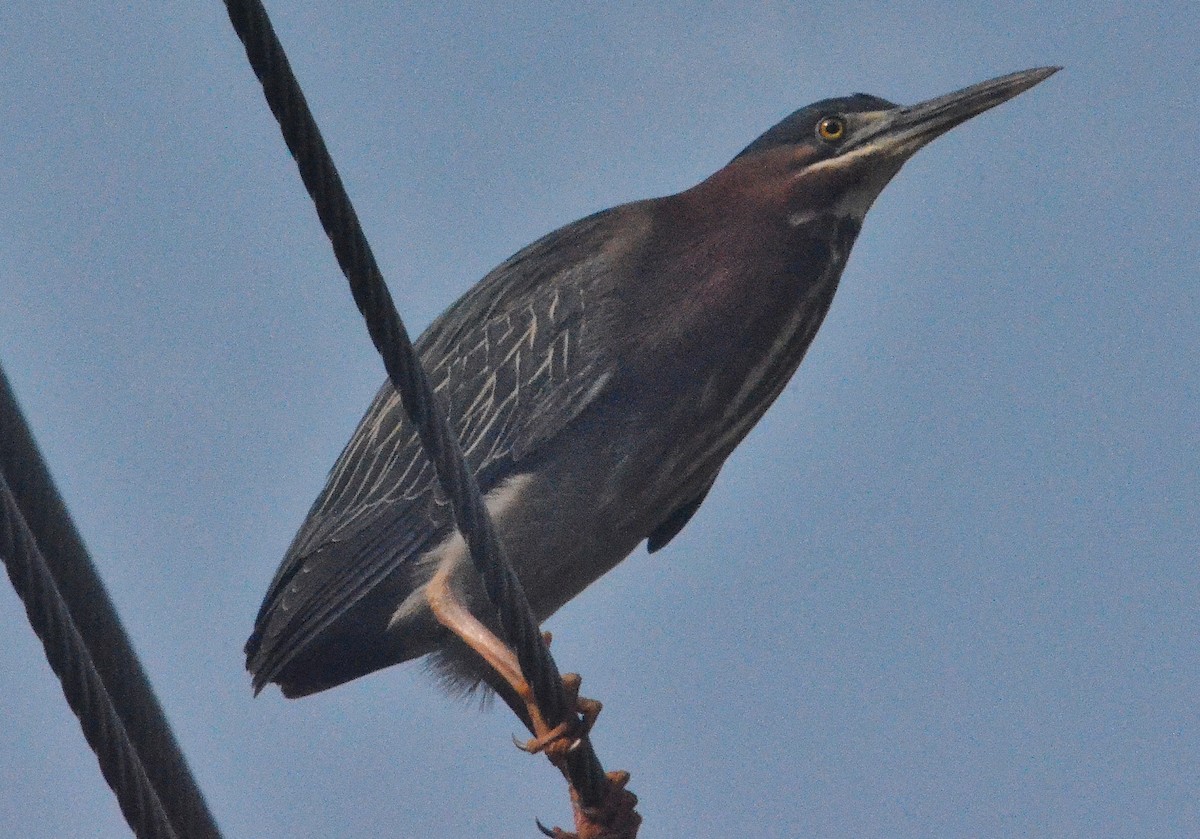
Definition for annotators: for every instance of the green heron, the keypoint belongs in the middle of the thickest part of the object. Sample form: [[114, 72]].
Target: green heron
[[597, 380]]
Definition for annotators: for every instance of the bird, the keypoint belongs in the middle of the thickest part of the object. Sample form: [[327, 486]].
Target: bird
[[597, 380]]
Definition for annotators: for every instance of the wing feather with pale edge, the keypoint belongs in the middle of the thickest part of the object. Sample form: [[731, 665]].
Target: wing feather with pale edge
[[514, 361]]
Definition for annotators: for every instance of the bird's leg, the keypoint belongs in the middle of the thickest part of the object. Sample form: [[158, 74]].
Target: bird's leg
[[453, 614], [617, 817]]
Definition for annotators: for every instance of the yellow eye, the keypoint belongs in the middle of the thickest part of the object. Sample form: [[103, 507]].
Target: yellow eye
[[831, 128]]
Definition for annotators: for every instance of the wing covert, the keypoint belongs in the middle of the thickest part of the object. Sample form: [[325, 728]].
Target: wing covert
[[513, 361]]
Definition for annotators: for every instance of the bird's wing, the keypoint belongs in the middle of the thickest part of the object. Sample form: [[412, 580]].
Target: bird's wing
[[670, 527], [513, 361]]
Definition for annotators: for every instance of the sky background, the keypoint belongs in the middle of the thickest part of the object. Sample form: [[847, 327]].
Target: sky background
[[948, 587]]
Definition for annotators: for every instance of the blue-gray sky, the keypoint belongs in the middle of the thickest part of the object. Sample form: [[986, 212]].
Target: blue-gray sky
[[948, 587]]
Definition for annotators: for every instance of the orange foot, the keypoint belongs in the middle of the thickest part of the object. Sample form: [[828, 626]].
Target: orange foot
[[616, 818], [566, 736]]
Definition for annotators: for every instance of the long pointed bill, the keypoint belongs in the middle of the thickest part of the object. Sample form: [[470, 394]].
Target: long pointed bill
[[904, 130]]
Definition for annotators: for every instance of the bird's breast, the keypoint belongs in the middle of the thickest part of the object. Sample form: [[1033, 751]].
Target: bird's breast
[[730, 346]]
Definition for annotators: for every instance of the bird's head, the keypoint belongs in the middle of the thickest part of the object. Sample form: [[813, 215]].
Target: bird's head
[[766, 237], [834, 157]]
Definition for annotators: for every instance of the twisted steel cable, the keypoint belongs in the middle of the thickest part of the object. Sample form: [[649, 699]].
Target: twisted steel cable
[[81, 683], [390, 338], [87, 648]]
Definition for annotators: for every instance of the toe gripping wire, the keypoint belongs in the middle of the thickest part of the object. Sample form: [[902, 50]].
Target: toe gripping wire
[[286, 101]]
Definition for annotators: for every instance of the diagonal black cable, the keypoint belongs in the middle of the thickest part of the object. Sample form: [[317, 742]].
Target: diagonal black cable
[[102, 680], [357, 262], [81, 682]]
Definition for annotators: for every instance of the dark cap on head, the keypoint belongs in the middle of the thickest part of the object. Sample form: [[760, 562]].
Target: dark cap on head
[[800, 126]]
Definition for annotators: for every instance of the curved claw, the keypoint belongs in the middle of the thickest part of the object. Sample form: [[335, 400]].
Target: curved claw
[[553, 833], [568, 735], [540, 744]]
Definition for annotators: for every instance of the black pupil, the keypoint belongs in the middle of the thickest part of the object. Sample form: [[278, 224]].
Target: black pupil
[[832, 127]]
